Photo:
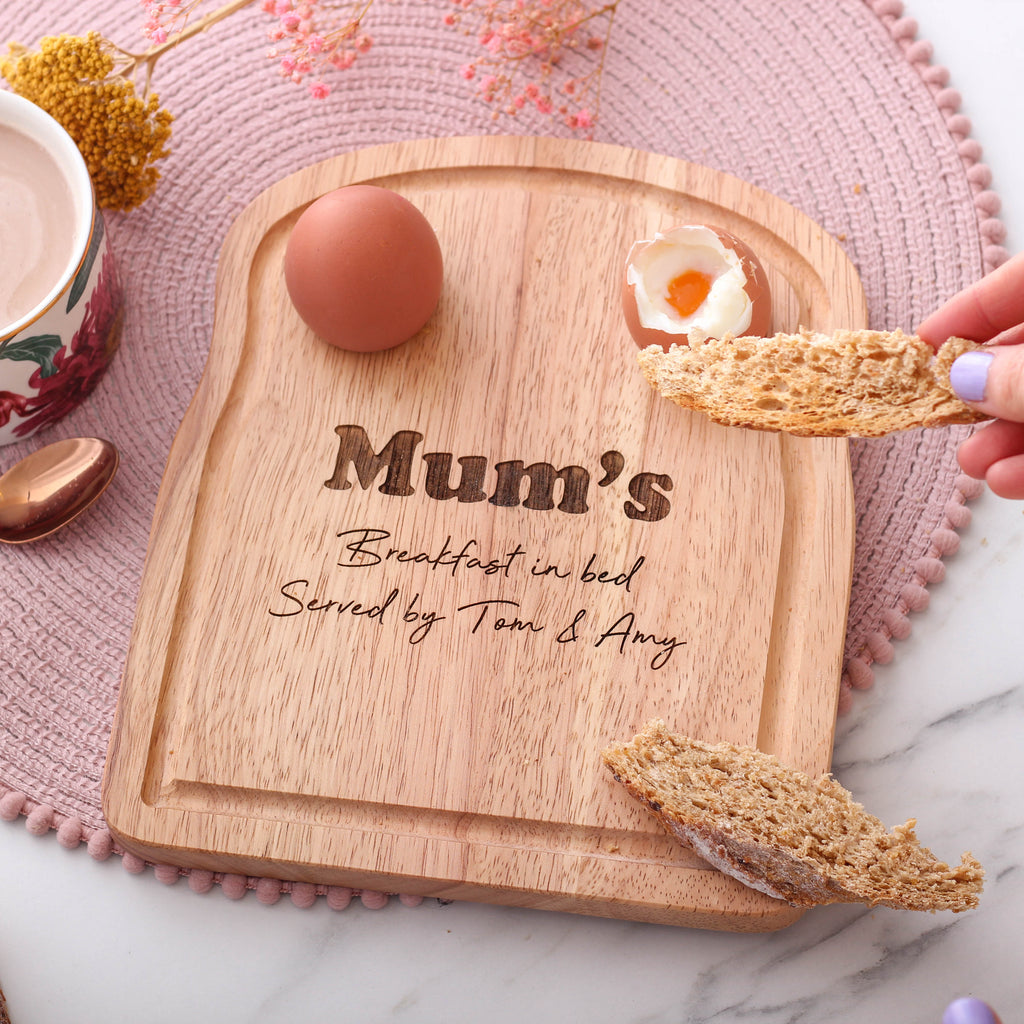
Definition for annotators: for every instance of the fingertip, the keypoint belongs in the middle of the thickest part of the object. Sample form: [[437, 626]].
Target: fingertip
[[968, 1010], [937, 328], [932, 330], [995, 454], [1005, 478], [968, 376], [957, 318], [992, 380]]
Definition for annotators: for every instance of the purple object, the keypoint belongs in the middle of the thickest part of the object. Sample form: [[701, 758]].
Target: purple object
[[968, 1010]]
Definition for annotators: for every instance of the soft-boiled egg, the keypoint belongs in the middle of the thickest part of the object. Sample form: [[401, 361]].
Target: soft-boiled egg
[[363, 268], [691, 283]]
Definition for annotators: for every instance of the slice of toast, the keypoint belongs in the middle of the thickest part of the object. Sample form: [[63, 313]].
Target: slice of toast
[[798, 839], [849, 383]]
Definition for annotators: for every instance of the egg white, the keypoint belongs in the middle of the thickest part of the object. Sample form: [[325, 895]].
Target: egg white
[[654, 263]]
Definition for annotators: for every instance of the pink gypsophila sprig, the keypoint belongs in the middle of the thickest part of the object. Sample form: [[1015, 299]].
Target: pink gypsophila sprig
[[534, 55], [165, 18], [546, 55], [311, 37]]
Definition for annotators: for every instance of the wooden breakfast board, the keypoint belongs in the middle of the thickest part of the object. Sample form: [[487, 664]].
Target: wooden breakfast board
[[346, 668]]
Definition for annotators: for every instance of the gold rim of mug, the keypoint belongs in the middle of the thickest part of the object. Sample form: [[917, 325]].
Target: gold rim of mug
[[20, 325]]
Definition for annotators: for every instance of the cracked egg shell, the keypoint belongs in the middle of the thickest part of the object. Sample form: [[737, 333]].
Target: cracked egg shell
[[363, 268], [694, 279]]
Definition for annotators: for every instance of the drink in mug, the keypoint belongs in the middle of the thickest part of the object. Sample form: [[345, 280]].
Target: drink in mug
[[60, 296]]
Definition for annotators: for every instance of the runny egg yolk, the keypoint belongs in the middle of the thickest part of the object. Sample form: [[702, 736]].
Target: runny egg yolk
[[687, 291]]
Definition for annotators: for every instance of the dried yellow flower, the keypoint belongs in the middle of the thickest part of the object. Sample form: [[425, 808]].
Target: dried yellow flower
[[80, 82]]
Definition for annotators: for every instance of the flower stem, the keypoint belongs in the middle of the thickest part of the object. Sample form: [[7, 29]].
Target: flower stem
[[195, 28], [149, 58]]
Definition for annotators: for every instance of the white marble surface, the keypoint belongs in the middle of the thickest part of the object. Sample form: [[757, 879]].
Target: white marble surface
[[938, 738]]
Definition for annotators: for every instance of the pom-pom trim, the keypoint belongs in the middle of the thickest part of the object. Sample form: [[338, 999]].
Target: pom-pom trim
[[895, 622]]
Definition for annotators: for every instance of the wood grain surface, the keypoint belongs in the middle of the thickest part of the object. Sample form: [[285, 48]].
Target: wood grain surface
[[389, 681]]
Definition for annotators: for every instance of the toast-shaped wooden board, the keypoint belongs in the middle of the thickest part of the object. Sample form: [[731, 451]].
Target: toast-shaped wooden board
[[396, 604]]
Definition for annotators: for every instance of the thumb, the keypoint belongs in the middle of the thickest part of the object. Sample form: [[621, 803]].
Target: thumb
[[992, 381]]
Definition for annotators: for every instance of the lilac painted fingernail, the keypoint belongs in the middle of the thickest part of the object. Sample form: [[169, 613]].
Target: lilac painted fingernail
[[968, 1010], [968, 375]]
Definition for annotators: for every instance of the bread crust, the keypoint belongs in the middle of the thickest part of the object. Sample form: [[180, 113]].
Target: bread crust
[[847, 384], [797, 839]]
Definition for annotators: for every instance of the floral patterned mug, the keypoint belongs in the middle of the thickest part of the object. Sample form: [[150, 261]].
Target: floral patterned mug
[[61, 299]]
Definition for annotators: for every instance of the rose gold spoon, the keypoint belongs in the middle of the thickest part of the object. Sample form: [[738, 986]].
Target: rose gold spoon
[[48, 488]]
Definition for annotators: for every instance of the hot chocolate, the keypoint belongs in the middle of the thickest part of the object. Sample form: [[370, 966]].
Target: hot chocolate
[[37, 225]]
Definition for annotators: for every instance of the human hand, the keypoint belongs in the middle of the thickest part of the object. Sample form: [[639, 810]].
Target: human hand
[[991, 381], [969, 1011]]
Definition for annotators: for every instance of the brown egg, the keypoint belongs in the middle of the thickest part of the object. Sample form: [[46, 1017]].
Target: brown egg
[[694, 282], [363, 268]]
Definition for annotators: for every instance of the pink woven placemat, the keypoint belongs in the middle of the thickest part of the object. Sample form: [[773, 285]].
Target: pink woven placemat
[[834, 105]]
